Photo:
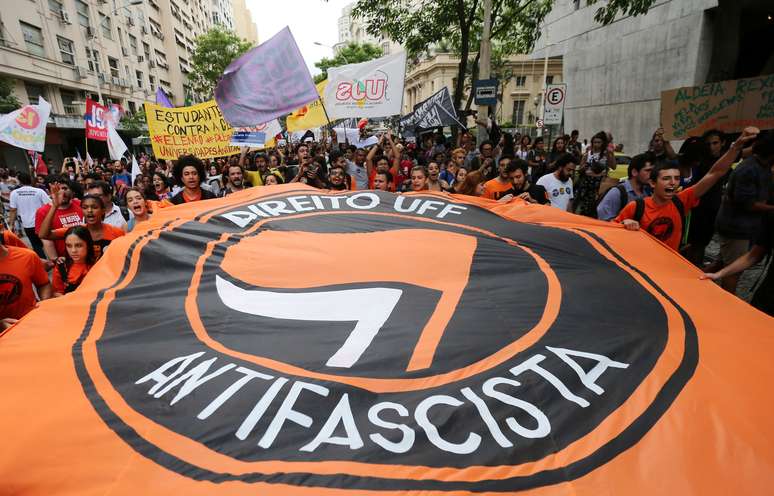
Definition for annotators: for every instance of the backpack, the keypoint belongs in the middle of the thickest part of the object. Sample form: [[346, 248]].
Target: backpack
[[621, 187], [639, 211]]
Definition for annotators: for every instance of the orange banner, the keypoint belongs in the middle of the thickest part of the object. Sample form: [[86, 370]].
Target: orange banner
[[388, 344]]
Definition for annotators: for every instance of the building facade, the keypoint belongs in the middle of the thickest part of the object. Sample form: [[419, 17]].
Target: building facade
[[615, 74], [352, 30], [520, 81], [222, 14], [70, 50], [243, 22]]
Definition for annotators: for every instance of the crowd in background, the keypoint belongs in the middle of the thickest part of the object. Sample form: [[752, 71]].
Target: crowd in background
[[714, 187]]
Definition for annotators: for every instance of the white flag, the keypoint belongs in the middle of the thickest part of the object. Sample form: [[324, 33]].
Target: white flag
[[135, 169], [368, 89], [116, 145], [26, 127]]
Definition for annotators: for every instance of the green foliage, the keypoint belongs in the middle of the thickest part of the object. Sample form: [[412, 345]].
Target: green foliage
[[352, 53], [213, 52], [613, 8], [136, 123], [8, 102], [516, 25]]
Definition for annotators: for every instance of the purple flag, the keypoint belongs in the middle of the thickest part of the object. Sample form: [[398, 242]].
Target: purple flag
[[268, 81], [162, 99]]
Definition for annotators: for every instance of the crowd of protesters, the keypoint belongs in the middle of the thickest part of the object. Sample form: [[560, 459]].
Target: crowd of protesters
[[684, 199]]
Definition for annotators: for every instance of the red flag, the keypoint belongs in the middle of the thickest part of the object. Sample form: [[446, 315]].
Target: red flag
[[96, 128]]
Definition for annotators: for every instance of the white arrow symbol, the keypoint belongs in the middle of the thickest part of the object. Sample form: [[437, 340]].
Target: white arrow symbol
[[369, 307]]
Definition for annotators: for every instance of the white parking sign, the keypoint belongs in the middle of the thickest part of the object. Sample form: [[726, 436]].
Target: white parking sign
[[554, 104]]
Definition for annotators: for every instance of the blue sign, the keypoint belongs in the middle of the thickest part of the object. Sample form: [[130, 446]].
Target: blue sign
[[248, 138], [485, 91]]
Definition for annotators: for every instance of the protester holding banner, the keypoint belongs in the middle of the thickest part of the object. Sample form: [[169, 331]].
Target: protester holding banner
[[137, 204], [498, 187], [663, 214], [235, 179], [161, 186], [93, 215]]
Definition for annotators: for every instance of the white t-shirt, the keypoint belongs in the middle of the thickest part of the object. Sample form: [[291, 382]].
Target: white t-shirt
[[27, 200], [559, 193], [359, 173], [115, 218]]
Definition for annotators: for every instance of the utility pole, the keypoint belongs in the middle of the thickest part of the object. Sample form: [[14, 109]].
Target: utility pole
[[542, 110], [484, 66]]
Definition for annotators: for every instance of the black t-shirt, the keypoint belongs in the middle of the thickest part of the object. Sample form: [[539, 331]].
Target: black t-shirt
[[766, 236], [537, 192]]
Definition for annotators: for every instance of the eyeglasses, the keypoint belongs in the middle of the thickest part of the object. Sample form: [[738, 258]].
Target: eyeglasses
[[336, 173]]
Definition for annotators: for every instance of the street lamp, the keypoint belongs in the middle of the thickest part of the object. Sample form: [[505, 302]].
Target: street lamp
[[334, 51]]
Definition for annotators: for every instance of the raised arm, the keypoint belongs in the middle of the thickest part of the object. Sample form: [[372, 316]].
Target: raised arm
[[45, 225], [722, 165]]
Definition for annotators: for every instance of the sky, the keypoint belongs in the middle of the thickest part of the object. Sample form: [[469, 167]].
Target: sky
[[309, 21]]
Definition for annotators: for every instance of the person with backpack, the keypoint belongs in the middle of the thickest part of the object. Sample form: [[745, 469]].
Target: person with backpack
[[634, 188], [663, 214], [79, 258]]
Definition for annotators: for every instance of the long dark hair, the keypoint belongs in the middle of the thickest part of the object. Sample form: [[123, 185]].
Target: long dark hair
[[83, 233]]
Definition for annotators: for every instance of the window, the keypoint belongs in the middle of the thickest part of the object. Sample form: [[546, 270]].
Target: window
[[549, 79], [82, 8], [107, 26], [66, 50], [133, 43], [161, 59], [152, 81], [113, 63], [146, 49], [55, 6], [132, 108], [33, 38], [34, 91], [93, 58], [68, 97], [521, 81], [518, 112], [140, 79]]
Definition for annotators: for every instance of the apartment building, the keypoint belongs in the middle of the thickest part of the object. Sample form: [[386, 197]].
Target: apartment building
[[353, 30], [114, 51], [243, 22]]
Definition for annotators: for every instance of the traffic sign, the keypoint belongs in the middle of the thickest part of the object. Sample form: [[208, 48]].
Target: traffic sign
[[554, 104], [539, 123], [485, 91]]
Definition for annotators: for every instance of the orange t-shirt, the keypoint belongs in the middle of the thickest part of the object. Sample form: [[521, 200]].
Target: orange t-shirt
[[75, 274], [393, 171], [19, 270], [109, 233], [494, 189], [662, 221], [10, 239]]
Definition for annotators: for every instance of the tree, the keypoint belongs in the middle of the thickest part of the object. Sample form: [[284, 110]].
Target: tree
[[213, 52], [136, 123], [8, 101], [352, 53], [515, 25]]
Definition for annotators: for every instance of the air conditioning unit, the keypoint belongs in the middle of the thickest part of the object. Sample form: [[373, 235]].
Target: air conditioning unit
[[144, 30], [28, 37], [140, 58], [115, 81], [90, 32], [64, 16], [151, 64], [81, 73], [125, 51], [130, 20], [101, 78]]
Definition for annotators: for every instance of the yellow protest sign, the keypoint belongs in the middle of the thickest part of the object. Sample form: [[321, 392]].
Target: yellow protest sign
[[199, 129], [309, 116]]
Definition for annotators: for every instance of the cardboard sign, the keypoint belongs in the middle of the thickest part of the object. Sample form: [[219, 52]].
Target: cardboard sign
[[729, 106], [199, 130]]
